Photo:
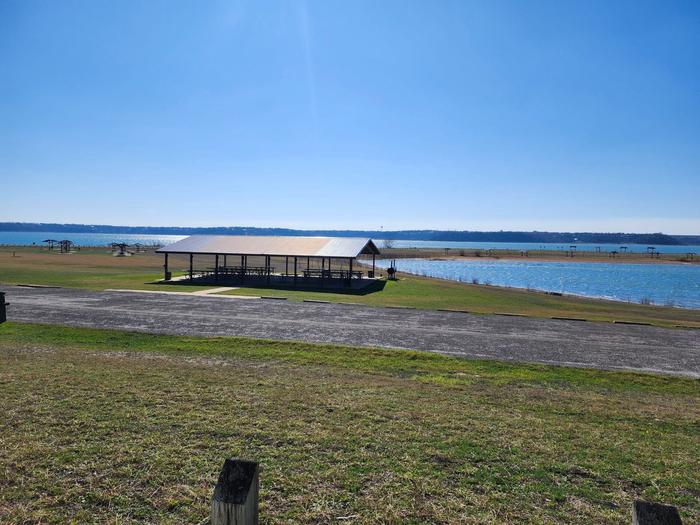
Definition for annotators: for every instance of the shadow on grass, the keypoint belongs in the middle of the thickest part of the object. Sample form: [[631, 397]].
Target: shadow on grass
[[359, 287]]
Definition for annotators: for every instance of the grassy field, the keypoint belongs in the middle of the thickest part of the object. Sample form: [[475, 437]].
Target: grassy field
[[97, 269], [91, 268], [112, 427]]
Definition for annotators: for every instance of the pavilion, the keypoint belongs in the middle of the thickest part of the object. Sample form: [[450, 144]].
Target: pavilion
[[310, 257]]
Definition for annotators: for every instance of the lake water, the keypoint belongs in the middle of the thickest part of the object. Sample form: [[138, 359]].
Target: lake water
[[86, 239], [662, 284], [103, 239]]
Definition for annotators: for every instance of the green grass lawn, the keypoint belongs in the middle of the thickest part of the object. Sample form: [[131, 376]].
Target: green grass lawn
[[97, 270], [113, 427], [91, 268]]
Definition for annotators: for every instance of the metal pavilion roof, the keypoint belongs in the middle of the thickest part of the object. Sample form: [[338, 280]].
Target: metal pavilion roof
[[273, 245]]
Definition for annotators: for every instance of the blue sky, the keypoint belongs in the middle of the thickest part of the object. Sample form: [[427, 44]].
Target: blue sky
[[334, 114]]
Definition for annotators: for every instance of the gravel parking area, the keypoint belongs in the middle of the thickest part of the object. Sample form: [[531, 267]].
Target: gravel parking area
[[567, 343]]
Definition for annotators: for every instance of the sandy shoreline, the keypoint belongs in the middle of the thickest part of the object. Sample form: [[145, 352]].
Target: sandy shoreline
[[620, 260], [582, 257]]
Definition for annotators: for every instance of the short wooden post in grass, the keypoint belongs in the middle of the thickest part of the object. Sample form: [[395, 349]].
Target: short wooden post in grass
[[3, 311], [235, 500], [645, 513]]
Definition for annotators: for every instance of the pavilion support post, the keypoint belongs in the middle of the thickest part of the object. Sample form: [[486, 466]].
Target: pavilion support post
[[373, 257], [295, 271], [323, 272], [225, 260], [191, 261], [166, 277], [267, 268], [286, 266], [350, 272], [216, 267]]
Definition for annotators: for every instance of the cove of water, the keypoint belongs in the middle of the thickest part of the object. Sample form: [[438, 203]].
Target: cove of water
[[661, 284]]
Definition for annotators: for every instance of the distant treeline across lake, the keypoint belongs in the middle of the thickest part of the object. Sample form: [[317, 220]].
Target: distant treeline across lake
[[432, 236], [29, 238]]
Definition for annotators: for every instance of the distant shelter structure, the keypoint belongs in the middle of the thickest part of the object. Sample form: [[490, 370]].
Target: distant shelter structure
[[50, 243], [316, 260], [66, 245], [120, 249]]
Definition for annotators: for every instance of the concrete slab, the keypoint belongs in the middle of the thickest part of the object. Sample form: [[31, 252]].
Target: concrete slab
[[199, 293], [220, 289]]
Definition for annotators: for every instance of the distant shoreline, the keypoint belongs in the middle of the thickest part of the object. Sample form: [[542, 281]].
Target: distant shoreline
[[544, 256], [438, 254]]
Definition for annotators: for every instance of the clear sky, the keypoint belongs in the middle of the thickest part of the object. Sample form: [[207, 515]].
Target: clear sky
[[349, 114]]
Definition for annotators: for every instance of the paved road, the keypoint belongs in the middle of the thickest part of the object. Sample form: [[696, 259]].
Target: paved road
[[570, 343]]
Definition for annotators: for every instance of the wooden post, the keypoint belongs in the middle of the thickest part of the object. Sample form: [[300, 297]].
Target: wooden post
[[350, 273], [323, 273], [166, 277], [295, 271], [286, 266], [191, 257], [235, 500], [216, 267], [373, 260], [645, 513], [3, 309], [267, 268]]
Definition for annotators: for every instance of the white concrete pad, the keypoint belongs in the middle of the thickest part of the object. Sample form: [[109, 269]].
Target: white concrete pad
[[190, 294]]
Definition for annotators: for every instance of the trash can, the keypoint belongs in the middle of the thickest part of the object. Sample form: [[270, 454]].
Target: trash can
[[3, 309]]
